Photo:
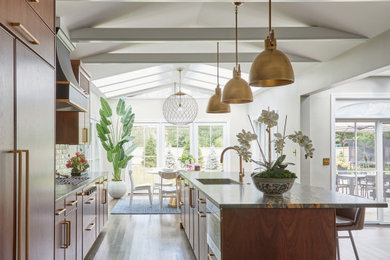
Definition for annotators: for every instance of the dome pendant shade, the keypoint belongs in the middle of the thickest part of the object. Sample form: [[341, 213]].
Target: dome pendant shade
[[237, 90], [215, 105], [271, 68]]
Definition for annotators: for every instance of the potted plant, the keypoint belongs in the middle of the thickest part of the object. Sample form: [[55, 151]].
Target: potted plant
[[78, 164], [272, 177], [113, 139]]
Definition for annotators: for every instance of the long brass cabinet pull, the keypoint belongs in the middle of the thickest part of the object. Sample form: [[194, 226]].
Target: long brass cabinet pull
[[19, 206], [90, 227], [105, 196], [20, 202], [66, 223], [191, 198], [32, 40]]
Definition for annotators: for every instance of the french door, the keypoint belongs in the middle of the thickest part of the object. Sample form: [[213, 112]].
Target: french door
[[362, 161]]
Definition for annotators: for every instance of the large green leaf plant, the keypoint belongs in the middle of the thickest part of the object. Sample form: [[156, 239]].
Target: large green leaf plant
[[113, 138]]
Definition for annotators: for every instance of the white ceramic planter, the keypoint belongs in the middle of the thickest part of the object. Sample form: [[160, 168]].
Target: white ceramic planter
[[117, 189]]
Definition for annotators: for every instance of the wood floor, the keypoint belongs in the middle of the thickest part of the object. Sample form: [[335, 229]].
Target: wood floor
[[159, 237]]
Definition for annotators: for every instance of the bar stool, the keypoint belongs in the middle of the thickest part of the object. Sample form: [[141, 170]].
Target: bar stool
[[348, 219]]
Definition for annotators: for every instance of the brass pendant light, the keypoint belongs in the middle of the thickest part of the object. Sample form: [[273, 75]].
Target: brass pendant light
[[237, 90], [215, 105], [271, 68]]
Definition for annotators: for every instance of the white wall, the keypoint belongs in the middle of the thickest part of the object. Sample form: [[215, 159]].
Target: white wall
[[320, 122], [286, 101]]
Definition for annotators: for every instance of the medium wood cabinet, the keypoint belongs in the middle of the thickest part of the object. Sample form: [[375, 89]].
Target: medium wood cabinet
[[194, 218], [74, 127], [27, 143]]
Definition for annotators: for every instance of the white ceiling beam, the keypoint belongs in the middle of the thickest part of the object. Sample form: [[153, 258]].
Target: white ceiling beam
[[366, 59], [164, 86], [206, 34], [179, 58]]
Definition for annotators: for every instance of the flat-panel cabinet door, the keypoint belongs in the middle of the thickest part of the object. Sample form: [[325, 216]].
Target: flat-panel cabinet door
[[71, 249], [35, 107], [187, 210], [7, 173], [196, 223]]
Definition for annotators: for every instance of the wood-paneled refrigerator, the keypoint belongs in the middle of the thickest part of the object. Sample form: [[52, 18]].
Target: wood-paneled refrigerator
[[27, 121]]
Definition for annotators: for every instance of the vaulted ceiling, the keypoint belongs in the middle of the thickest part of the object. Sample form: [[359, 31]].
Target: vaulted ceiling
[[134, 48]]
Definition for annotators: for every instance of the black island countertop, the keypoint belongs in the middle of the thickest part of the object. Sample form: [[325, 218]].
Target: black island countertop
[[246, 195], [64, 190]]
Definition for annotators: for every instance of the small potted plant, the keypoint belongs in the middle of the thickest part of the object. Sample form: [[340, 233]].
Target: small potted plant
[[78, 164], [113, 139], [187, 160], [272, 177]]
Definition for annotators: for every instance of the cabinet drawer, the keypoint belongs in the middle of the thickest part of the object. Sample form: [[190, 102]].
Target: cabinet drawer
[[21, 19], [89, 208], [89, 235], [45, 9]]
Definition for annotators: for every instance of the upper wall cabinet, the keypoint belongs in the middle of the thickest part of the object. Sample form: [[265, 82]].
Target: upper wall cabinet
[[21, 19], [45, 9]]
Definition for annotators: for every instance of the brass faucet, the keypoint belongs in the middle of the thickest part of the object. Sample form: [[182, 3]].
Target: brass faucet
[[241, 174]]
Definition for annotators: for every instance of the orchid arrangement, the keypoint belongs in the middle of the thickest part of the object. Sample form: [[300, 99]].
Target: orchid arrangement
[[269, 168], [78, 163]]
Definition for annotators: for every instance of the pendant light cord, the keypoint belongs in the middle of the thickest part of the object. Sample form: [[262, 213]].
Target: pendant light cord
[[269, 16], [236, 38], [217, 64]]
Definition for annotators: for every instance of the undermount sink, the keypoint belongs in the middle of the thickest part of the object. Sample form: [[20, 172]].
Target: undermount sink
[[218, 181]]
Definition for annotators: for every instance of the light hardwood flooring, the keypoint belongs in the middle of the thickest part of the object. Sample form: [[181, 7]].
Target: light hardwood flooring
[[159, 237]]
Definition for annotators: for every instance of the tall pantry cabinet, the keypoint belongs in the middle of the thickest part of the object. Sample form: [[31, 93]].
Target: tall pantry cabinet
[[27, 128]]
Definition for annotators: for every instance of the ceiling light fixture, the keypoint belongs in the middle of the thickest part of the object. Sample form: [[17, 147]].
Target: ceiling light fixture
[[215, 104], [271, 68], [237, 90], [180, 108]]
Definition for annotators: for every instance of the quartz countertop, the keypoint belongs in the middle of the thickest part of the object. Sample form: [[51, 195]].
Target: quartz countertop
[[64, 190], [246, 195]]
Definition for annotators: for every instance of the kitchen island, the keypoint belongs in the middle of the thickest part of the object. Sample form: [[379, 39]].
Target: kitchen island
[[241, 223]]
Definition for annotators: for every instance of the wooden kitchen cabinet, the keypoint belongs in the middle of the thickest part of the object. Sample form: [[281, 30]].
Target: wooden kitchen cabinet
[[27, 147], [102, 209], [194, 218], [19, 17], [7, 189], [45, 9], [74, 127], [89, 217]]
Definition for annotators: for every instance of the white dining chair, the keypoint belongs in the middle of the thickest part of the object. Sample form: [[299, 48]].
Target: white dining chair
[[168, 191], [144, 187]]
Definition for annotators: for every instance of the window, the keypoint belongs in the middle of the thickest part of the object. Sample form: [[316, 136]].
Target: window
[[211, 142], [145, 155], [177, 145]]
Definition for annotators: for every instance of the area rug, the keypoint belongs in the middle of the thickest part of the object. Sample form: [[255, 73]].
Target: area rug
[[142, 206]]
